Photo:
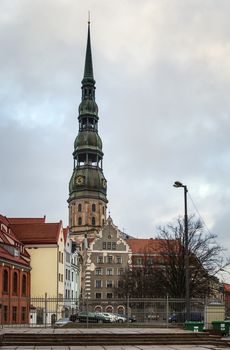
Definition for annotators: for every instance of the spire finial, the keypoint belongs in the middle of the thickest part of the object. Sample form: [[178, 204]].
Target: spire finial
[[88, 17]]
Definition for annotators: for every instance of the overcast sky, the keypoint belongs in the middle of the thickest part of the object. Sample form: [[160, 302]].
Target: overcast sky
[[162, 71]]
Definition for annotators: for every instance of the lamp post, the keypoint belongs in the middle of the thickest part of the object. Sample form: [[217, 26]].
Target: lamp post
[[187, 297]]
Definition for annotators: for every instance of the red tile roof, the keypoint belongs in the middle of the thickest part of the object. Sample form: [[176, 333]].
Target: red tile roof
[[147, 246], [5, 255], [7, 233], [27, 220], [227, 287], [47, 233]]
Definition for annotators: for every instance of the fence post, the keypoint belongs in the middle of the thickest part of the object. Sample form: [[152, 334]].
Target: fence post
[[167, 310], [45, 309]]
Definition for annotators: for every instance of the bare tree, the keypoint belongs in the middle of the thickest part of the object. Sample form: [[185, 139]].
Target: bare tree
[[206, 259], [165, 272]]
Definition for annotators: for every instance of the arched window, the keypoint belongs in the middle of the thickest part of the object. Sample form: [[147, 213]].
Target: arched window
[[103, 222], [24, 285], [15, 283], [5, 281], [93, 207], [93, 221], [79, 207], [103, 210], [79, 221]]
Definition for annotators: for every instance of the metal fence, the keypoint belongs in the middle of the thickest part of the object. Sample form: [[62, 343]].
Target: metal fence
[[45, 311]]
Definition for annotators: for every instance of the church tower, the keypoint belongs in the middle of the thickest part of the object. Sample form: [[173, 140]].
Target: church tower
[[88, 186]]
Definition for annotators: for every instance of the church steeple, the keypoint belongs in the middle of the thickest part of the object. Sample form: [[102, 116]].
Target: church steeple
[[88, 186], [88, 72]]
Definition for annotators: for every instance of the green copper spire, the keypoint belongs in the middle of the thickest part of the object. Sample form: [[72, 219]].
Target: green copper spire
[[88, 72]]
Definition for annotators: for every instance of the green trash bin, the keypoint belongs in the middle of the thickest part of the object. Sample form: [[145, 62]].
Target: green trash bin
[[194, 326], [221, 326]]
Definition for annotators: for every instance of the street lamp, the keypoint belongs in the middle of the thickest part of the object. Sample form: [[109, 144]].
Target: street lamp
[[187, 299]]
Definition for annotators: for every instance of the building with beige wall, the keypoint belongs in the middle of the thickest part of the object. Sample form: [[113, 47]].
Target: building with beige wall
[[45, 244]]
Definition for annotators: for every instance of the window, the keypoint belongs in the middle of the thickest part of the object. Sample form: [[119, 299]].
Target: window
[[93, 207], [113, 245], [103, 210], [14, 313], [23, 314], [79, 208], [5, 281], [120, 284], [118, 259], [79, 221], [110, 259], [93, 221], [109, 284], [66, 274], [24, 285], [98, 272], [109, 295], [5, 313], [120, 272], [72, 276], [98, 284], [103, 222], [139, 261], [98, 295], [109, 245], [104, 245], [109, 272], [15, 283], [100, 259]]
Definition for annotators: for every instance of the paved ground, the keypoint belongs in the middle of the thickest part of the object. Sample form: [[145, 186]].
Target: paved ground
[[103, 330]]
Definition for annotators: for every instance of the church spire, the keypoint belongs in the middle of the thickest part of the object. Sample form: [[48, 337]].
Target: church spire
[[88, 71], [87, 186]]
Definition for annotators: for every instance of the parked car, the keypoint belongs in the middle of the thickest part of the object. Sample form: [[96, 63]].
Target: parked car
[[120, 318], [111, 317], [180, 317], [73, 317], [62, 322], [92, 317], [131, 318]]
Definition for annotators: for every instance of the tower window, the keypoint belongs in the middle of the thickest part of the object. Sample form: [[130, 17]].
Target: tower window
[[79, 207], [93, 207], [93, 221], [79, 221], [103, 210]]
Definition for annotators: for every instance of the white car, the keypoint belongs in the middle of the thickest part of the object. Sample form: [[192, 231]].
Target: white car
[[62, 322], [120, 318], [112, 317]]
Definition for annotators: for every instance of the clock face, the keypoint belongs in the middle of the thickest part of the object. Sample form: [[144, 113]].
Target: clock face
[[79, 180]]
